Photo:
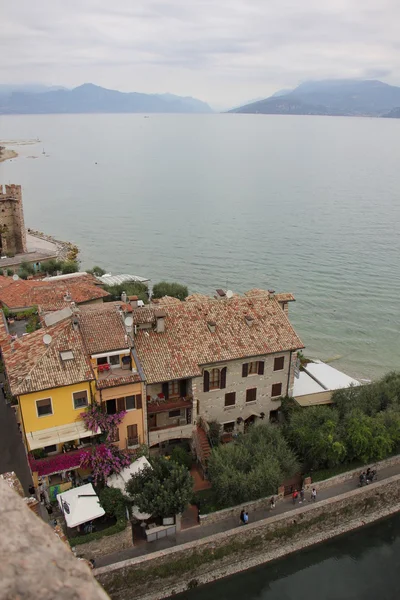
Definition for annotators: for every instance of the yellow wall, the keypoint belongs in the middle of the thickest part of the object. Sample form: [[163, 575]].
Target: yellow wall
[[132, 417], [63, 407]]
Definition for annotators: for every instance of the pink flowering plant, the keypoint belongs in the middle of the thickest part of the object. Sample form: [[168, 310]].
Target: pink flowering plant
[[94, 419], [56, 464], [104, 460]]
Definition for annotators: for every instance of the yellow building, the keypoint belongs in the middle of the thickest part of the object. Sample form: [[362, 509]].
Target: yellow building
[[50, 374], [119, 385]]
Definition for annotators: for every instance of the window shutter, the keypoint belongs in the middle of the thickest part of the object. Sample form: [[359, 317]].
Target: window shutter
[[261, 367], [183, 387], [223, 378], [165, 390], [132, 431], [120, 404], [251, 395], [206, 381], [245, 369], [103, 407], [138, 400], [230, 399]]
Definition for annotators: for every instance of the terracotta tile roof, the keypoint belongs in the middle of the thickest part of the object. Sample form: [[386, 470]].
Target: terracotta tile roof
[[102, 329], [187, 342], [145, 314], [49, 295], [32, 366], [285, 297], [111, 381]]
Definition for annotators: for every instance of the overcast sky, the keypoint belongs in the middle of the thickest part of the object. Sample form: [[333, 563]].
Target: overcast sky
[[223, 51]]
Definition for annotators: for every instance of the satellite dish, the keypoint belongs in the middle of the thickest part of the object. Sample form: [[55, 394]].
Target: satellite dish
[[15, 277], [229, 294], [47, 339], [128, 321]]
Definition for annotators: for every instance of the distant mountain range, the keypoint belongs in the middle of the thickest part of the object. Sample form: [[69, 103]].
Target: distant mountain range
[[89, 98], [337, 97]]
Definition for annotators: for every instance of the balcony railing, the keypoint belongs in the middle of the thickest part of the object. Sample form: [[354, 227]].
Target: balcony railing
[[170, 432], [132, 442]]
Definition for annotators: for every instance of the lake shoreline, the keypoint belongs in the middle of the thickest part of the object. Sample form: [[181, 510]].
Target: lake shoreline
[[7, 154]]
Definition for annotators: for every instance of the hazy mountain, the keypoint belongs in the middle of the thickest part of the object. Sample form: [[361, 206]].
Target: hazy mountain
[[393, 114], [32, 88], [331, 97], [89, 98]]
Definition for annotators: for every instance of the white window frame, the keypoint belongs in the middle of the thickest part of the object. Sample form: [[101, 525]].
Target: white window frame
[[51, 404], [73, 400]]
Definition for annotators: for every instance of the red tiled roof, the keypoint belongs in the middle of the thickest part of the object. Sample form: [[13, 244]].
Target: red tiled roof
[[111, 381], [32, 366], [102, 329], [49, 295], [187, 342]]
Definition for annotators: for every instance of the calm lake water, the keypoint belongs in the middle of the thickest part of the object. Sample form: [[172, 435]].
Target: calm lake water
[[309, 205], [360, 566]]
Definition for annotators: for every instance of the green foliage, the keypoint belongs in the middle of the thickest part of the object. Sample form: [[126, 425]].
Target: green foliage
[[50, 267], [314, 434], [214, 433], [10, 272], [366, 437], [113, 502], [97, 535], [252, 467], [69, 266], [182, 457], [97, 271], [39, 453], [131, 289], [27, 267], [33, 324], [176, 290], [289, 407], [23, 274], [162, 490]]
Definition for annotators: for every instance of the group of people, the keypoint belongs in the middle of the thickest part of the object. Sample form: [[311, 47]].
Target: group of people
[[367, 477], [244, 515]]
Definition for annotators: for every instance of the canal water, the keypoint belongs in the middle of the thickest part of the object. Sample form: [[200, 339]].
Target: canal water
[[361, 565]]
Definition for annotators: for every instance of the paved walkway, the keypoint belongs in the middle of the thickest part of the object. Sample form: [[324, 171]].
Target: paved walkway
[[202, 531], [12, 450]]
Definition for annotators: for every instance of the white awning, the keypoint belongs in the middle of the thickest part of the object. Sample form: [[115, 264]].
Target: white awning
[[80, 505], [58, 435], [119, 481]]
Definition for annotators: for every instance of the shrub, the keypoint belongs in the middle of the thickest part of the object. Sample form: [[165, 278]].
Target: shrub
[[131, 289], [181, 457], [50, 267], [252, 467], [113, 502], [27, 267], [97, 271], [69, 266], [176, 290], [214, 433], [97, 535]]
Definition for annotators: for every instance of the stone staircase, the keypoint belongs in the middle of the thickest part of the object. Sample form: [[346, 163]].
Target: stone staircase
[[203, 447]]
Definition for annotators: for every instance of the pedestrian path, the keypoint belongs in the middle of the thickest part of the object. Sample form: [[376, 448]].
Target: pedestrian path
[[202, 531]]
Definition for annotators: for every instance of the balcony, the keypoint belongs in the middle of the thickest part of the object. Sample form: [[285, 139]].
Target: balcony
[[133, 442], [158, 435], [56, 463], [109, 377]]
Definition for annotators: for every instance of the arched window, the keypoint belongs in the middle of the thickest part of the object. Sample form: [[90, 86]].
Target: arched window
[[215, 379]]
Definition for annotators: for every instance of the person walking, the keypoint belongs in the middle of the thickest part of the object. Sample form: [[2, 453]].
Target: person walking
[[302, 491], [314, 495], [295, 496], [242, 513], [246, 517], [272, 503]]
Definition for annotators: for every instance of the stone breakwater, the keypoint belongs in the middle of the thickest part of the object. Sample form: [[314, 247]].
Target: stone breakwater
[[174, 570], [64, 250]]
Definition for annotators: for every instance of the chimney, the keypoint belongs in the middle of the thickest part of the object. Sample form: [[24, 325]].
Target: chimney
[[123, 297], [221, 294], [67, 296], [271, 294], [211, 326], [160, 320], [75, 324], [249, 320], [133, 301]]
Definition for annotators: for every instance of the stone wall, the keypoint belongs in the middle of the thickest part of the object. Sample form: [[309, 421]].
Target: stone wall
[[212, 403], [163, 573], [12, 226], [106, 545]]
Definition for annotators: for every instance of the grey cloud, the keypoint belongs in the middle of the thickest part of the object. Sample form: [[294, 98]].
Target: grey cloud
[[220, 50]]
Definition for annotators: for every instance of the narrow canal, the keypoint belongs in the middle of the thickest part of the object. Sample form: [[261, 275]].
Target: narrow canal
[[361, 565]]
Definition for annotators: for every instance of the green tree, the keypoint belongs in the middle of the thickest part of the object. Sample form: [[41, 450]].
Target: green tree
[[132, 288], [162, 490], [113, 502], [27, 267], [97, 271], [252, 467], [367, 438], [50, 267], [176, 290], [69, 266], [314, 433], [182, 457], [289, 407]]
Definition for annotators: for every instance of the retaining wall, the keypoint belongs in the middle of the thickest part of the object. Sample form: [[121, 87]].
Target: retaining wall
[[105, 545], [233, 511], [175, 569]]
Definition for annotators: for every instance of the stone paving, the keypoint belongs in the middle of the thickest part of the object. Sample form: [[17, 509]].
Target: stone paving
[[202, 531]]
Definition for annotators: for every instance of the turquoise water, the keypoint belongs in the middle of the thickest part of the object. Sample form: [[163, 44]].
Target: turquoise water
[[309, 205], [359, 566]]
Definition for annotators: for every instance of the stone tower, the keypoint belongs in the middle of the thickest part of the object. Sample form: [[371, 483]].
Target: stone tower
[[12, 226]]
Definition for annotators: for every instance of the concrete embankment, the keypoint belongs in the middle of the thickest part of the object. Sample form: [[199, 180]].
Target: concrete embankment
[[174, 570]]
